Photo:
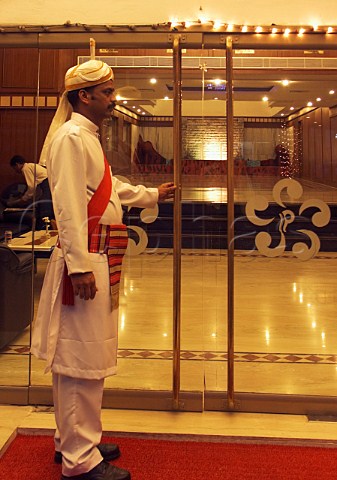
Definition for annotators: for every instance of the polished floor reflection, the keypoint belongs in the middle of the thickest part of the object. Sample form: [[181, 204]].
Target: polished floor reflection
[[285, 329]]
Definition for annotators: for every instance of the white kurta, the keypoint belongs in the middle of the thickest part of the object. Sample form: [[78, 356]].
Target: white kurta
[[81, 340]]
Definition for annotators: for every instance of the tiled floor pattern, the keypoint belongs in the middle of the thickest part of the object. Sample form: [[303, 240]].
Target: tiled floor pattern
[[257, 357]]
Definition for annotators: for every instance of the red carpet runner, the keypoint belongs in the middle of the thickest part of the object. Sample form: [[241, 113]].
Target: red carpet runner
[[31, 458]]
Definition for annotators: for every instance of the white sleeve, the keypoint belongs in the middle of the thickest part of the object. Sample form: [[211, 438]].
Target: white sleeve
[[67, 176], [135, 196], [28, 172]]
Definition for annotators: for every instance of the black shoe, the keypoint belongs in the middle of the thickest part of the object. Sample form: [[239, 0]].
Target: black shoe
[[102, 471], [109, 451]]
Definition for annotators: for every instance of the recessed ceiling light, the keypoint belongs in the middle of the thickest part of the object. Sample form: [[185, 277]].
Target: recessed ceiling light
[[292, 108], [265, 99], [309, 104], [285, 82], [166, 98], [153, 80], [332, 92], [318, 99], [125, 101]]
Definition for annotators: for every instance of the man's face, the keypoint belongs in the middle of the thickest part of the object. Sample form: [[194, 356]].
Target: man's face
[[101, 101]]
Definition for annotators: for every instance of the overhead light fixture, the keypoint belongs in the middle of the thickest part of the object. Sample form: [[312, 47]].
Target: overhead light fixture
[[217, 24], [274, 30], [285, 82], [258, 29], [292, 108], [309, 104], [265, 99], [318, 99], [244, 28], [329, 30], [332, 92], [153, 80]]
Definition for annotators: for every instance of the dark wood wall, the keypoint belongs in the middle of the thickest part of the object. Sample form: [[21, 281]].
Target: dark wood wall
[[26, 74]]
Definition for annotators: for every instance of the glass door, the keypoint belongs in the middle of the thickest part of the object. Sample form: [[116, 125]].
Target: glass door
[[285, 194]]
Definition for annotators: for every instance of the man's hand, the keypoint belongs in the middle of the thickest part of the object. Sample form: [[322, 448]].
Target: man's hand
[[166, 190], [84, 285]]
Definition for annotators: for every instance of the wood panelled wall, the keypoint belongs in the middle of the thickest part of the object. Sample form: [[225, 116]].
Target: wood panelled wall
[[23, 128]]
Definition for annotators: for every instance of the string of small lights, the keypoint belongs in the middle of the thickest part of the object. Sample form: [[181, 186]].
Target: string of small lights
[[174, 25]]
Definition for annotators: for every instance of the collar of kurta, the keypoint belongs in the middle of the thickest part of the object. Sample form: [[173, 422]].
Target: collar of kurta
[[83, 121]]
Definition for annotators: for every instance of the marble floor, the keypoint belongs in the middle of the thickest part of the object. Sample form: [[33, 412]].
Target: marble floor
[[272, 428]]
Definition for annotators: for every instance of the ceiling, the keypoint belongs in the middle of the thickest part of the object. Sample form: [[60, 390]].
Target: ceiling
[[204, 80]]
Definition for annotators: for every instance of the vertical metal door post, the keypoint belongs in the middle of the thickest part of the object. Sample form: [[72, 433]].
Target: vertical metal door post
[[177, 99], [230, 224]]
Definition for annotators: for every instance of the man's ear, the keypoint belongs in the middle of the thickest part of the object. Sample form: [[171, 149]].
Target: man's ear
[[83, 96]]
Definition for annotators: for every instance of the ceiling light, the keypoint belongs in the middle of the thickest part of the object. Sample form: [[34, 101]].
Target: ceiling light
[[244, 29], [230, 27], [143, 113], [286, 32], [274, 30], [166, 98], [258, 29], [217, 81], [318, 99], [330, 30], [265, 99], [332, 92], [118, 97], [282, 114], [216, 98], [153, 80], [292, 108], [309, 104], [125, 101], [217, 25], [285, 82], [301, 31]]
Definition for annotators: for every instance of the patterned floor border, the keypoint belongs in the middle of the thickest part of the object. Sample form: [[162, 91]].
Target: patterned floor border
[[208, 356]]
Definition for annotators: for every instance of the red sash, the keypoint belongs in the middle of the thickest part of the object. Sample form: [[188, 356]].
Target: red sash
[[96, 207]]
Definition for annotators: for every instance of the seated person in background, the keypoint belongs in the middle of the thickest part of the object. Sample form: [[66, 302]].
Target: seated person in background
[[44, 206]]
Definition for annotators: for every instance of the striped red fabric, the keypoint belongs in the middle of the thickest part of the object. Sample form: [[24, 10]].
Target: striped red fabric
[[113, 241]]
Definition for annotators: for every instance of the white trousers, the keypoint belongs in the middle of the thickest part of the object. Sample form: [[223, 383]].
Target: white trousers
[[77, 404]]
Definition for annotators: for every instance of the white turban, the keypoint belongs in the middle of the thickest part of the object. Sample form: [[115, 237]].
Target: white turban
[[88, 74]]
